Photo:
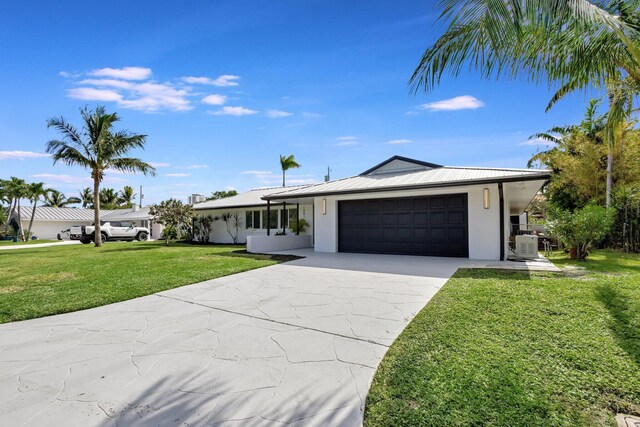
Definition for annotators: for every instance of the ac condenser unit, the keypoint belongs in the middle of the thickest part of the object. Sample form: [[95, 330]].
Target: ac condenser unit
[[527, 246]]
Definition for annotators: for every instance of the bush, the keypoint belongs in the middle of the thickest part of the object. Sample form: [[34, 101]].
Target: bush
[[582, 228]]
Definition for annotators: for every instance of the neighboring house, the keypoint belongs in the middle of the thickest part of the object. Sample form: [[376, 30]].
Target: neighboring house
[[48, 222], [407, 206], [252, 212]]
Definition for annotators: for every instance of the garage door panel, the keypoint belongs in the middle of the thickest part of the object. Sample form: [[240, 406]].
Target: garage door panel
[[434, 225]]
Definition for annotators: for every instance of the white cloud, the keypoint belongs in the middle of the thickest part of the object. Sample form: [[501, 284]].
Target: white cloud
[[21, 155], [178, 175], [214, 99], [276, 114], [194, 167], [143, 96], [125, 73], [344, 141], [536, 142], [159, 164], [234, 111], [93, 94], [464, 102], [399, 141], [225, 80]]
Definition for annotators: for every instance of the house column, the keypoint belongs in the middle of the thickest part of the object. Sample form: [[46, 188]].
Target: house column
[[268, 217], [297, 219]]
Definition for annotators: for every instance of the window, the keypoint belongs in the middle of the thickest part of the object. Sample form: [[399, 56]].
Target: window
[[293, 216], [252, 219], [272, 220]]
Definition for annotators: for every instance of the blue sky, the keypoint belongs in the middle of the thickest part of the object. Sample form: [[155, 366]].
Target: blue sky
[[222, 88]]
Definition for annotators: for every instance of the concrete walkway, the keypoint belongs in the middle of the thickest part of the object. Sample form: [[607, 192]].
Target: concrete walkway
[[39, 245], [292, 344]]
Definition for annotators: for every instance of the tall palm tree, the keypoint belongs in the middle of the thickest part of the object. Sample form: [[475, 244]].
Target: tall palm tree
[[57, 199], [109, 198], [286, 163], [35, 190], [573, 43], [127, 194], [86, 197], [97, 147]]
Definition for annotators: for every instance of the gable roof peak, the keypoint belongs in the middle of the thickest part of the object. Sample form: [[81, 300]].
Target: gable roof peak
[[400, 163]]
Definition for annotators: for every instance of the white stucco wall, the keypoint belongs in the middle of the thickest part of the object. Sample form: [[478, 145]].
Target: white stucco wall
[[48, 230], [219, 232], [484, 227]]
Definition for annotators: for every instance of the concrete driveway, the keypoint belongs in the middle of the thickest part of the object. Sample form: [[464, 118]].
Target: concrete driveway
[[292, 344]]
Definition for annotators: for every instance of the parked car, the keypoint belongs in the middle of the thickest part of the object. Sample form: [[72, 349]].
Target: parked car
[[64, 234], [110, 230]]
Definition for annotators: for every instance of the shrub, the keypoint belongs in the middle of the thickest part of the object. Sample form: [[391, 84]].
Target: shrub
[[582, 228]]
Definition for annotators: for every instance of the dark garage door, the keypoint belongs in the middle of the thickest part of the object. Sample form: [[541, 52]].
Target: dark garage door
[[435, 225]]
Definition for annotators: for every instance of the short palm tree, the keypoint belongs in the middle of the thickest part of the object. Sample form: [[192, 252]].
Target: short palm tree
[[57, 199], [573, 43], [86, 197], [35, 191], [15, 189], [286, 163], [127, 194], [97, 147]]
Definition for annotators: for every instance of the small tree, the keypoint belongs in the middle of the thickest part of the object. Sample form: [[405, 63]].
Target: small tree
[[222, 194], [582, 228], [173, 214], [203, 226], [233, 223]]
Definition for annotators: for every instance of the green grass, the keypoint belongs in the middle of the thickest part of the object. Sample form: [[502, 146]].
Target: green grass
[[43, 281], [507, 348], [30, 242]]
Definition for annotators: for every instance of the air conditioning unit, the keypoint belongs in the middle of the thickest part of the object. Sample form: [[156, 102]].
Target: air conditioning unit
[[527, 246]]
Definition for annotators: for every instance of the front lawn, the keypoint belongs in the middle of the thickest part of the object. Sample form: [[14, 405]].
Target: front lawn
[[42, 281], [508, 348]]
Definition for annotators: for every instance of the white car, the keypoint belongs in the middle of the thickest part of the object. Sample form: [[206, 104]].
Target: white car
[[110, 230]]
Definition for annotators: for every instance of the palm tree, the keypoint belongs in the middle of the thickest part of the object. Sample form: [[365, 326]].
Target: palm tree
[[127, 194], [86, 197], [573, 43], [57, 199], [286, 163], [35, 190], [109, 198], [96, 147], [15, 190]]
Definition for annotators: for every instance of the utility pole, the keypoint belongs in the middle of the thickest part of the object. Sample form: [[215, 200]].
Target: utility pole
[[141, 197], [327, 177]]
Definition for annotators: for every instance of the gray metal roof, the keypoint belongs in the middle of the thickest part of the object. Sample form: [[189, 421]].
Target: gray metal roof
[[399, 180], [249, 198], [44, 213], [129, 215]]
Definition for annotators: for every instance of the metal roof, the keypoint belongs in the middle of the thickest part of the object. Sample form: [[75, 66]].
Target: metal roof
[[129, 215], [45, 213], [249, 198], [412, 179]]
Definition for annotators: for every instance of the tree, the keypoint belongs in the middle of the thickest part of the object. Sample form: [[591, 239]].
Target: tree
[[222, 194], [127, 194], [233, 223], [35, 190], [15, 190], [202, 227], [573, 43], [56, 199], [581, 228], [286, 163], [173, 214], [86, 197], [109, 198], [97, 147]]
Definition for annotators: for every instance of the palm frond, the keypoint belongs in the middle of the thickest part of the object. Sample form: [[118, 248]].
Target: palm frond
[[130, 164]]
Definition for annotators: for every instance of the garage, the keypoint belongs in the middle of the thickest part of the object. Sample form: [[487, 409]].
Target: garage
[[429, 225]]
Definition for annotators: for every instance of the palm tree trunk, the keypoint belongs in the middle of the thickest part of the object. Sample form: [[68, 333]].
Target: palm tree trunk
[[21, 230], [610, 144], [283, 172], [33, 214], [97, 237], [11, 209], [609, 176]]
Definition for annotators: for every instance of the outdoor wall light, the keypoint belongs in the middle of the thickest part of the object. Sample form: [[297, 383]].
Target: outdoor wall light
[[324, 206], [485, 198]]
